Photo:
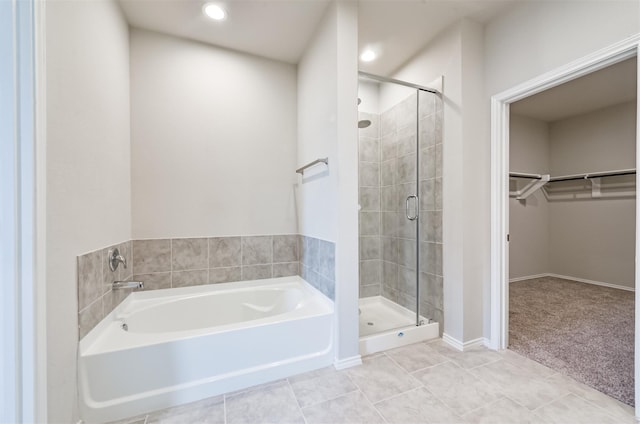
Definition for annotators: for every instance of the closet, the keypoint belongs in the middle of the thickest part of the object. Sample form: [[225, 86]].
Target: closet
[[572, 228]]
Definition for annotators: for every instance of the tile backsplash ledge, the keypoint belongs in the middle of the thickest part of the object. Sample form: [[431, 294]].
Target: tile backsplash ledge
[[182, 262]]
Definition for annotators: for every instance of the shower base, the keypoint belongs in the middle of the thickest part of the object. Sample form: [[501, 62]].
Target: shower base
[[385, 325]]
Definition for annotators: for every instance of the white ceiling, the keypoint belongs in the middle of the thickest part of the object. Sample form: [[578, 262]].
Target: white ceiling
[[402, 28], [276, 29], [281, 29], [610, 86]]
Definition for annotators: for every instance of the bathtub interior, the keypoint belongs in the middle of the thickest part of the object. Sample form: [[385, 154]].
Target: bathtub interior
[[238, 306]]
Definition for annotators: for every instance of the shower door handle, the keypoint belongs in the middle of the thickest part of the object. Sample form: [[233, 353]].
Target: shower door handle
[[406, 208]]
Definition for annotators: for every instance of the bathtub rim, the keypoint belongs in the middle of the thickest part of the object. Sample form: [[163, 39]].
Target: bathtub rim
[[88, 341]]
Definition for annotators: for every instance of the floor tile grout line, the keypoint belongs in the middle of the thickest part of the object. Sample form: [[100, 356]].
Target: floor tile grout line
[[488, 363], [421, 385], [550, 402], [224, 408], [603, 394], [524, 406], [597, 406], [430, 366], [365, 396], [293, 393], [603, 410], [400, 366], [487, 405], [329, 399], [526, 359], [489, 383], [568, 391], [450, 408], [397, 395]]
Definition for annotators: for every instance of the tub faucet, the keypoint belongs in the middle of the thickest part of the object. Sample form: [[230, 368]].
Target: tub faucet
[[115, 259], [117, 285]]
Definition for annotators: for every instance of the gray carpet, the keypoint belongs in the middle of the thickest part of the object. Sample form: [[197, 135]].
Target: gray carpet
[[580, 330]]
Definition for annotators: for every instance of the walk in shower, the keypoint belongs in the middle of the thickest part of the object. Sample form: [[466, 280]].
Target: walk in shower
[[400, 218]]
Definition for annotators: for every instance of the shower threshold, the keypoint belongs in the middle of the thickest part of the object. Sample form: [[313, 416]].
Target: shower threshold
[[385, 325]]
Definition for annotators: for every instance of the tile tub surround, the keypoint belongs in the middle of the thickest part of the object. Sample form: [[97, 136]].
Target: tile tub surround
[[425, 382], [318, 264], [96, 299], [387, 159], [181, 262]]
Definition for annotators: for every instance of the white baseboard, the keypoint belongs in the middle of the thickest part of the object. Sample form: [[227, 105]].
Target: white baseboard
[[462, 346], [454, 343], [341, 364], [597, 283], [527, 277], [580, 280]]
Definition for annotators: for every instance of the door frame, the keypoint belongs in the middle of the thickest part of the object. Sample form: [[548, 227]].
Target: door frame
[[23, 321], [500, 104]]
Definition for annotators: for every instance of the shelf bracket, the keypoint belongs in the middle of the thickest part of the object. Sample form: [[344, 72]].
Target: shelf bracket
[[595, 187], [531, 188]]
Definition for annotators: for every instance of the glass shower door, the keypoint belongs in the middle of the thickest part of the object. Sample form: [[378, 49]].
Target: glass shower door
[[389, 205]]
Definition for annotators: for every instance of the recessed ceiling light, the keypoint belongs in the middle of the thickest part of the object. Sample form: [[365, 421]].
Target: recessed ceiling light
[[368, 55], [214, 11]]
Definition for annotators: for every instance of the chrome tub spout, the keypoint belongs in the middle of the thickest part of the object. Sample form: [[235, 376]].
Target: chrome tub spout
[[117, 285]]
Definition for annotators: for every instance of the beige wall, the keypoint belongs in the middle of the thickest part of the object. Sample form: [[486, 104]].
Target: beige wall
[[590, 239], [327, 197], [599, 141], [594, 239], [528, 219], [88, 167], [213, 140], [317, 131]]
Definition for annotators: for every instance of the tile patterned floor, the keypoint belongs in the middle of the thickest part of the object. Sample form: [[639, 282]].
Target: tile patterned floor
[[420, 383]]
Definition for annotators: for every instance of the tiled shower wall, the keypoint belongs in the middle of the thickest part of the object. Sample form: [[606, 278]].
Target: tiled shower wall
[[167, 263], [369, 216], [387, 177]]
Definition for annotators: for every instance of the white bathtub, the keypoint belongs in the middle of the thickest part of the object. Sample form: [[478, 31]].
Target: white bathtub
[[186, 344]]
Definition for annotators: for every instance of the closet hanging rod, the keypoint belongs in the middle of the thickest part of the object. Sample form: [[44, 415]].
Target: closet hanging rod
[[525, 175], [593, 175], [310, 164]]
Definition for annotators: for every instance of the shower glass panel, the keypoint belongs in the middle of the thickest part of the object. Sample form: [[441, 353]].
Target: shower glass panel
[[397, 166]]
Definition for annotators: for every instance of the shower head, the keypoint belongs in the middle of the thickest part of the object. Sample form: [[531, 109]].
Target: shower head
[[365, 122]]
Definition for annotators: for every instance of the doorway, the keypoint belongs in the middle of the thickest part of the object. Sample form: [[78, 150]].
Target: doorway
[[501, 110], [572, 228]]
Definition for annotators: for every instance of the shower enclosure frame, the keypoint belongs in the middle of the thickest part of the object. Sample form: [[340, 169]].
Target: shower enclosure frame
[[418, 88]]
